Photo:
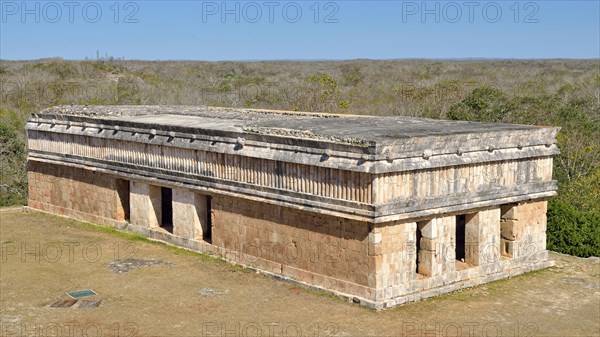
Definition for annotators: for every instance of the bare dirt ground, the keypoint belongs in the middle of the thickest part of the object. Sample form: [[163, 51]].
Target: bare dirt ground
[[149, 289]]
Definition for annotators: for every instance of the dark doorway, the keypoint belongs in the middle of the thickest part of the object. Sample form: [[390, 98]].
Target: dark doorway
[[166, 200], [461, 222], [418, 246], [207, 233], [123, 192]]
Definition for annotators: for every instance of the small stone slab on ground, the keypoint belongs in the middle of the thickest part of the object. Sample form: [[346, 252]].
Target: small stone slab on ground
[[212, 292], [63, 303], [85, 304], [126, 265]]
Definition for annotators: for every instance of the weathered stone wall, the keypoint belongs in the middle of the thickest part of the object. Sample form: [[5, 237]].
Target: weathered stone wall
[[455, 180], [374, 262], [482, 237], [306, 179], [408, 209], [384, 264], [402, 269], [378, 183], [77, 193], [318, 249], [391, 248], [190, 218], [524, 230], [145, 205], [407, 269]]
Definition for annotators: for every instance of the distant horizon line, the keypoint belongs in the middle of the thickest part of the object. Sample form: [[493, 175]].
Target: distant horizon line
[[309, 60]]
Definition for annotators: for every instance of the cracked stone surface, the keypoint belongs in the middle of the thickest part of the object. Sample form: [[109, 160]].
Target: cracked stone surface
[[351, 129]]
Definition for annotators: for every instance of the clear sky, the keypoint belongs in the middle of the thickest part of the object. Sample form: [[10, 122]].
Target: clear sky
[[300, 30]]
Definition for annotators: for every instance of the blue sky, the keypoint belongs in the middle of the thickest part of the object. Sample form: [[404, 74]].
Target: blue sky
[[267, 30]]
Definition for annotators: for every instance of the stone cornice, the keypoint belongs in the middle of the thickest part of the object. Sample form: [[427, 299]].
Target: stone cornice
[[411, 154]]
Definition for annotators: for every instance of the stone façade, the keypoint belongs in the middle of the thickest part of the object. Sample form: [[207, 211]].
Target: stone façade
[[382, 210]]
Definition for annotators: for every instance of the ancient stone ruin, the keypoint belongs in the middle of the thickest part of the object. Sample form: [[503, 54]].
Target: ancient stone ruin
[[381, 210]]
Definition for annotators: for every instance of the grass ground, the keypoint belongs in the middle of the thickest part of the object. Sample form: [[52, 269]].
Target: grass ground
[[188, 294]]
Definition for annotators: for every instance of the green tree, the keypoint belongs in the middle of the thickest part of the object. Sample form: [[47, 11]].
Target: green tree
[[483, 104], [571, 231], [13, 155]]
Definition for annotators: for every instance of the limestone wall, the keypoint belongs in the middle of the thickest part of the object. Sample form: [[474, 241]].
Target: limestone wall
[[392, 248], [318, 249], [427, 184], [352, 194], [418, 259], [145, 204], [524, 229], [190, 214], [77, 193], [400, 217], [382, 264], [314, 180]]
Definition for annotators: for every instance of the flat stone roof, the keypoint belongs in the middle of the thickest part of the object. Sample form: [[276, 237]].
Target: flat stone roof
[[354, 130]]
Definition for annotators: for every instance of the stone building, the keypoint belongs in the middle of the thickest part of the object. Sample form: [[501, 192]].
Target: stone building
[[382, 210]]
